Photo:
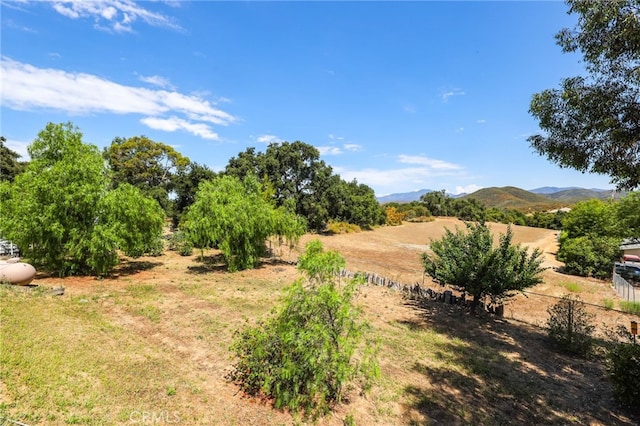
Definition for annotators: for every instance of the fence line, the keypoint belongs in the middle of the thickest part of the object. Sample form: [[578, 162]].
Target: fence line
[[624, 288], [420, 292]]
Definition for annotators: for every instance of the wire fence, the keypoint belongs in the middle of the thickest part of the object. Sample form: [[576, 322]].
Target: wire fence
[[625, 289], [528, 307]]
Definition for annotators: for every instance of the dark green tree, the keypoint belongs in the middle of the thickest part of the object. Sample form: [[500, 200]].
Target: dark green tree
[[296, 174], [237, 217], [148, 165], [10, 167], [592, 124], [469, 262], [63, 214], [185, 185], [438, 203], [469, 209]]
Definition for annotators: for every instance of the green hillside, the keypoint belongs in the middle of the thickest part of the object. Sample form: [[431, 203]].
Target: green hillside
[[514, 198]]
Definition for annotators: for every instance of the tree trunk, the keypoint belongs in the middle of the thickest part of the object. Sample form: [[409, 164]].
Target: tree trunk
[[475, 303]]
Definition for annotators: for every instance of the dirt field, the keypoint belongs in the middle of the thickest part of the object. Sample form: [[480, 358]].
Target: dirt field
[[150, 345]]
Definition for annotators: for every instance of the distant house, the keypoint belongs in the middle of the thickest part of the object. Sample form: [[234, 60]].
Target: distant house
[[561, 210], [631, 246]]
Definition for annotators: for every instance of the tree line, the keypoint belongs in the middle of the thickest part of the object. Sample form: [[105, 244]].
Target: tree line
[[72, 208]]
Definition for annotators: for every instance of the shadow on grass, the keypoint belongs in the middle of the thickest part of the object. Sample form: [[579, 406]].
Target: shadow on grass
[[493, 371], [131, 267], [208, 264], [216, 264]]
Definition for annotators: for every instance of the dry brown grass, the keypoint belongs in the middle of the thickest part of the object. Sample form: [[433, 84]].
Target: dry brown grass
[[154, 340]]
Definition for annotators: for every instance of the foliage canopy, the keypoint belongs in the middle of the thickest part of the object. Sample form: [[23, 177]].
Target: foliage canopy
[[63, 214], [469, 262], [237, 217], [592, 123], [296, 174]]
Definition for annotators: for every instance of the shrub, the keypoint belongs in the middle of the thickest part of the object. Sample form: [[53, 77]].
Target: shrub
[[178, 242], [334, 227], [623, 367], [394, 217], [305, 354], [570, 326], [608, 303]]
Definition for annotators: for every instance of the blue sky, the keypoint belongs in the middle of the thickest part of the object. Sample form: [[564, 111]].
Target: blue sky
[[401, 96]]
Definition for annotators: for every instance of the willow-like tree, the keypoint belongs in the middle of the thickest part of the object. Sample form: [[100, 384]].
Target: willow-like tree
[[469, 262], [237, 217], [63, 214]]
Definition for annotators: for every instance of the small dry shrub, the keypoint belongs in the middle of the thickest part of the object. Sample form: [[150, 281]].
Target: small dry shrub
[[570, 326]]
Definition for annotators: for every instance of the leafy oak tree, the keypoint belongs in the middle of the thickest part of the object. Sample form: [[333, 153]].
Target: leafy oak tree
[[237, 217], [592, 124], [148, 165], [296, 174], [63, 214], [469, 262]]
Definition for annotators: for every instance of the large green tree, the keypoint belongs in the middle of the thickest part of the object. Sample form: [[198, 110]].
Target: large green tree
[[469, 262], [296, 174], [148, 165], [63, 214], [237, 217], [592, 123]]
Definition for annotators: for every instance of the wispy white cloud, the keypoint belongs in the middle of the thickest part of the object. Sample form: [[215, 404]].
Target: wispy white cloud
[[113, 15], [26, 87], [329, 150], [268, 139], [428, 162], [446, 94], [481, 121], [9, 23], [420, 172], [175, 123], [334, 137], [157, 80], [468, 189], [353, 147], [409, 108]]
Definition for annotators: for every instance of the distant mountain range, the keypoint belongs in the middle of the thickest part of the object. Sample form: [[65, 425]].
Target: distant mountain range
[[516, 198]]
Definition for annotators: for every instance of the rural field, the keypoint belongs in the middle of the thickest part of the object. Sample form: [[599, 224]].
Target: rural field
[[150, 345]]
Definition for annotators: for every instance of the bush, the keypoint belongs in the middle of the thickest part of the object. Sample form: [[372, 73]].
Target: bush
[[588, 255], [623, 367], [570, 326], [305, 354], [178, 242], [334, 227], [394, 217]]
